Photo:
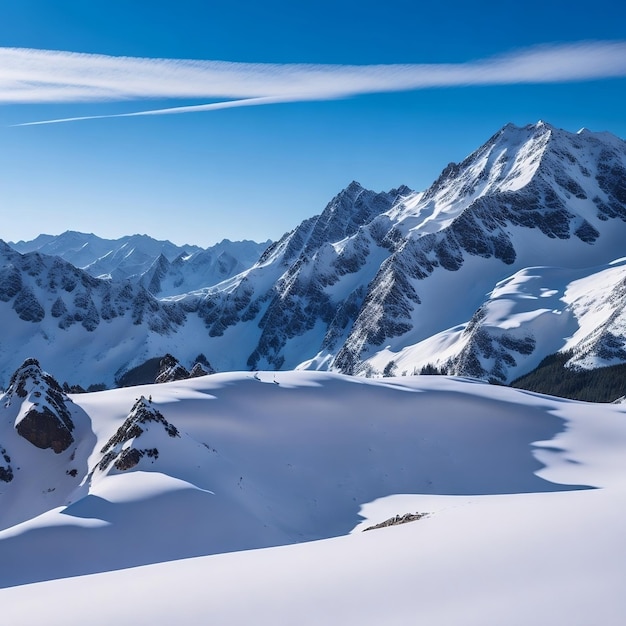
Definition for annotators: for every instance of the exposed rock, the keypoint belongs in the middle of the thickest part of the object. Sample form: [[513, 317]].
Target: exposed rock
[[198, 370], [170, 369], [204, 364], [142, 415], [6, 471], [46, 421], [397, 520], [44, 430]]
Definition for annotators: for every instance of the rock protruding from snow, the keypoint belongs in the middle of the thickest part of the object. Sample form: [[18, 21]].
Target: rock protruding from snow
[[199, 370], [124, 450], [44, 420], [397, 520], [170, 369], [6, 471]]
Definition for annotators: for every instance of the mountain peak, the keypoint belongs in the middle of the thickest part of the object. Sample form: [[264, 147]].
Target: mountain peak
[[354, 186]]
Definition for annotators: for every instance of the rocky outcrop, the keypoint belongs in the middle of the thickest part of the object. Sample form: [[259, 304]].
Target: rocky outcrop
[[170, 369], [397, 520], [124, 450], [199, 370], [6, 471], [45, 419]]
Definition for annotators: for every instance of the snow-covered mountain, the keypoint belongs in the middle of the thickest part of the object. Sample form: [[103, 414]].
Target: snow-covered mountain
[[410, 265], [518, 502], [536, 312], [162, 267], [87, 327], [377, 283]]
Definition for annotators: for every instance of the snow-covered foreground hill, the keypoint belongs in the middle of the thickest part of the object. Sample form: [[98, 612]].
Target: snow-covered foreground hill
[[240, 498]]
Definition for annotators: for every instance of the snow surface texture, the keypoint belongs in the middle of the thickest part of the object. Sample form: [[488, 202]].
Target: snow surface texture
[[378, 283], [524, 496]]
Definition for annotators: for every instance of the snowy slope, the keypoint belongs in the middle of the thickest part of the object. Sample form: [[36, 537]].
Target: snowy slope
[[536, 312], [513, 532]]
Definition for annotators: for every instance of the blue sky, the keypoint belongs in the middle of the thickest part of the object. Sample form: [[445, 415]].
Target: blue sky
[[452, 74]]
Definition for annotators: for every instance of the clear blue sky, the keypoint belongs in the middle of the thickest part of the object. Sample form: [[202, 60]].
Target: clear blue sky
[[256, 171]]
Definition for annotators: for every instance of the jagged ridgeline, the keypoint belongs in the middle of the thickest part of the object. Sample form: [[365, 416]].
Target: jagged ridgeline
[[478, 275]]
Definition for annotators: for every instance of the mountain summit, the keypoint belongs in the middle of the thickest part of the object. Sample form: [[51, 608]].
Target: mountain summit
[[419, 263]]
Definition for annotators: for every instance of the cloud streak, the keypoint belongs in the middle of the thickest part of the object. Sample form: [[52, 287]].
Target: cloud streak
[[41, 76]]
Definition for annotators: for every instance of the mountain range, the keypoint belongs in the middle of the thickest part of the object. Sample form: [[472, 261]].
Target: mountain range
[[162, 267], [509, 256]]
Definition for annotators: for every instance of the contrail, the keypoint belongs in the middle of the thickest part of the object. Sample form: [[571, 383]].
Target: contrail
[[43, 76]]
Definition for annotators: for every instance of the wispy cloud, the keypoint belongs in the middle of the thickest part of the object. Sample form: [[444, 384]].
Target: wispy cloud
[[41, 76]]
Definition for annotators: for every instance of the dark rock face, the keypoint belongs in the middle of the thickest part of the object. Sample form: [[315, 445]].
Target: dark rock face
[[6, 471], [198, 370], [201, 367], [44, 430], [10, 282], [128, 459], [27, 306], [170, 369], [142, 415], [48, 423]]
